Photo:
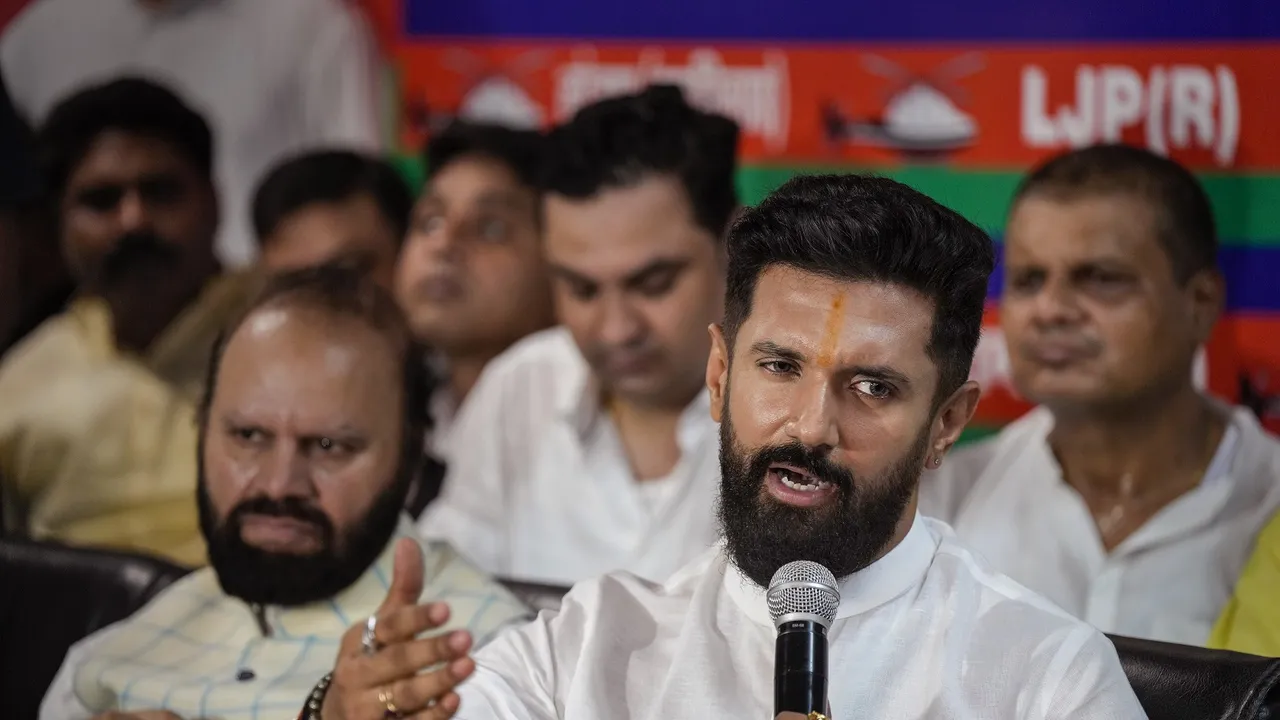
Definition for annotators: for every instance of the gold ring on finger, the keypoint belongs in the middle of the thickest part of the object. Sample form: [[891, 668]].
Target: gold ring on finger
[[388, 703]]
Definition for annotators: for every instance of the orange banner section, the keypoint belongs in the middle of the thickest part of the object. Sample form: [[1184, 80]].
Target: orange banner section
[[1241, 363], [1212, 107]]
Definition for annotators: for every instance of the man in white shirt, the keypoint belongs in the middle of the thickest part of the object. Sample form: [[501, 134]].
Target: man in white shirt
[[853, 308], [272, 77], [1127, 497], [310, 434], [471, 277], [588, 448]]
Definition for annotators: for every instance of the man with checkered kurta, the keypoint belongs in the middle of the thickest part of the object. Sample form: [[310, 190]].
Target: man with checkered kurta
[[310, 434]]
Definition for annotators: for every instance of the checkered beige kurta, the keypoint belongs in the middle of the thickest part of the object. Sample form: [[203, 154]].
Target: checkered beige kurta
[[203, 655]]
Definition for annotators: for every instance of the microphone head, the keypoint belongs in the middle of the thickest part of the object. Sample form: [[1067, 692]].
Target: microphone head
[[803, 590]]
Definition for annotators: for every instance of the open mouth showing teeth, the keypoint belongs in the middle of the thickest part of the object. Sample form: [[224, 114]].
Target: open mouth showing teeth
[[799, 481]]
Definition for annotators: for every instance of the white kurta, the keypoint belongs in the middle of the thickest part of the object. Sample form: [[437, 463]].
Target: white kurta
[[272, 77], [539, 486], [927, 632], [1007, 500]]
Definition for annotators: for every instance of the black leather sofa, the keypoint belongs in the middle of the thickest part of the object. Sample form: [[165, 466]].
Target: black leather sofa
[[53, 595], [1177, 682]]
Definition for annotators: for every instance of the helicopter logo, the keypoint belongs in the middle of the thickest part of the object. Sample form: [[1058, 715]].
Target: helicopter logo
[[922, 114], [495, 94]]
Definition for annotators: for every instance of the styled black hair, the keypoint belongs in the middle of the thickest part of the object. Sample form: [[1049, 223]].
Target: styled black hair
[[523, 151], [1184, 217], [622, 140], [330, 176], [131, 105], [341, 290], [861, 228]]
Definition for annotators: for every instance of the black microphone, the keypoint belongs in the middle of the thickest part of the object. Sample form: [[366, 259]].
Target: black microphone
[[802, 600]]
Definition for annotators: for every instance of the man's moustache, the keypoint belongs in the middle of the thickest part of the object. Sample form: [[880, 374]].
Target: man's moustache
[[812, 462], [135, 248], [292, 508]]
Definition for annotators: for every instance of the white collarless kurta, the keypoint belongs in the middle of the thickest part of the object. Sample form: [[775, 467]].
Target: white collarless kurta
[[1007, 500], [927, 632]]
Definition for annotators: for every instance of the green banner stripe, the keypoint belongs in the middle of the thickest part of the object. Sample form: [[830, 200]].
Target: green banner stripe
[[973, 434], [411, 167], [1247, 206]]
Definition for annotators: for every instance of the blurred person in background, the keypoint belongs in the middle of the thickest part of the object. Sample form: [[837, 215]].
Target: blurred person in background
[[96, 431], [471, 277], [1127, 497], [273, 78], [332, 206], [339, 206], [310, 432], [34, 281], [17, 183], [1250, 622], [589, 447]]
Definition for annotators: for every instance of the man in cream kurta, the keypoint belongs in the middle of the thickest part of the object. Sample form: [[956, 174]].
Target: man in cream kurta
[[201, 653], [97, 434], [97, 447]]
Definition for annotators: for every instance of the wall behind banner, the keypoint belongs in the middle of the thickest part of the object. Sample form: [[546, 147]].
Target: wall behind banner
[[957, 102]]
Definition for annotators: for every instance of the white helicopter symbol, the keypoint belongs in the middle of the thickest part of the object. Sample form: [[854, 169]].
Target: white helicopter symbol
[[921, 115], [493, 95]]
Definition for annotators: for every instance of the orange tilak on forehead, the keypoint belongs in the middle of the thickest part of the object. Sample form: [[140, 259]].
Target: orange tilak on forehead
[[831, 335]]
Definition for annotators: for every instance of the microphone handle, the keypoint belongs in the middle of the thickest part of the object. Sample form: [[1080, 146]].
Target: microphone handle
[[800, 668]]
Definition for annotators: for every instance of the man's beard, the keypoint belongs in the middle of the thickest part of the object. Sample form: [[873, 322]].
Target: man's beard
[[844, 535], [270, 578]]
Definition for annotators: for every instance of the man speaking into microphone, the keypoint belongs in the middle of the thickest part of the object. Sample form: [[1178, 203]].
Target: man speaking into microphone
[[840, 373]]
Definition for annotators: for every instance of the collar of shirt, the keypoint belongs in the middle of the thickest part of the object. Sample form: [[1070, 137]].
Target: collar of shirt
[[578, 402], [901, 569], [180, 355], [330, 618], [1186, 514], [1238, 419]]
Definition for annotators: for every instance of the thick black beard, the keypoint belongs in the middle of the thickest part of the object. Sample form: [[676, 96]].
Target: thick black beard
[[762, 534], [265, 578]]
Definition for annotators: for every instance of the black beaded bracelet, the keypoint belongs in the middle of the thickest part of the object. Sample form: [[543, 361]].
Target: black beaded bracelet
[[311, 711]]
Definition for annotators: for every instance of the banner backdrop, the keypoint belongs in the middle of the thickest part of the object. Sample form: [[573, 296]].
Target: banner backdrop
[[957, 102]]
